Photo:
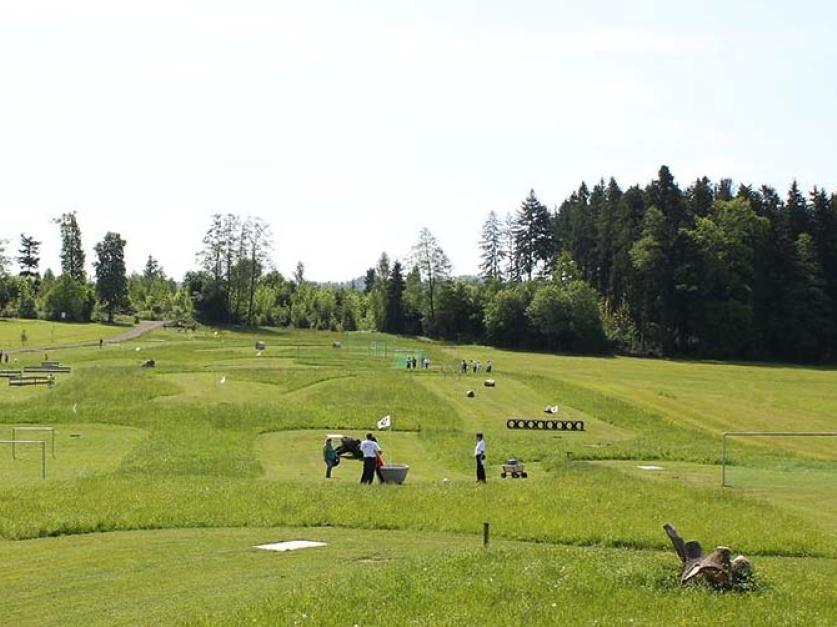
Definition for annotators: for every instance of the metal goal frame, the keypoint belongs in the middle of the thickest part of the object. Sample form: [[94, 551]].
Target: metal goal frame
[[50, 430], [14, 443]]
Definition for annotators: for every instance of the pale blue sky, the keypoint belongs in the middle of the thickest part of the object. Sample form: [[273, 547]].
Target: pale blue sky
[[350, 125]]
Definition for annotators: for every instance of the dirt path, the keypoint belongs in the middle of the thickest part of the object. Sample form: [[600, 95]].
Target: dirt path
[[145, 326]]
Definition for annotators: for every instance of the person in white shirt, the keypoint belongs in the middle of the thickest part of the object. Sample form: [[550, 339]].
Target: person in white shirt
[[479, 454], [370, 449]]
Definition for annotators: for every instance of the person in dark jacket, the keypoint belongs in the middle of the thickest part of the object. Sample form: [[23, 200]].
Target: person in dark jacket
[[330, 457]]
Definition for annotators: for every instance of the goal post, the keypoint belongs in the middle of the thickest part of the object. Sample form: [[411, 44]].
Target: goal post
[[14, 443], [728, 434], [50, 430]]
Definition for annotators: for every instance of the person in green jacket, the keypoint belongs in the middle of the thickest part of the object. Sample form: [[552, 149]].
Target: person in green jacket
[[330, 457]]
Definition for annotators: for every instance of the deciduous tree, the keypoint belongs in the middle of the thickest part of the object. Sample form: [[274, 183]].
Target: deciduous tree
[[433, 264]]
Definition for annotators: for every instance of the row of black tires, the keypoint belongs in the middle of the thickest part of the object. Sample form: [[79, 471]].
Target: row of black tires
[[545, 425]]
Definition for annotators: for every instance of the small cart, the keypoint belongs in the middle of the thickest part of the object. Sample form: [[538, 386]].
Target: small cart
[[514, 468]]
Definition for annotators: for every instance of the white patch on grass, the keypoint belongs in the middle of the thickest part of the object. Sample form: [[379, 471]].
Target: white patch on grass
[[650, 467], [290, 545], [223, 380], [75, 408]]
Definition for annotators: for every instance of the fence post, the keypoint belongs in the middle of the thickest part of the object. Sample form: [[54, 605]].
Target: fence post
[[485, 534]]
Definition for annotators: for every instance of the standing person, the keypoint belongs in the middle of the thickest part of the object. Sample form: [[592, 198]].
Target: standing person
[[330, 457], [100, 343], [479, 454], [489, 366], [379, 462], [370, 449]]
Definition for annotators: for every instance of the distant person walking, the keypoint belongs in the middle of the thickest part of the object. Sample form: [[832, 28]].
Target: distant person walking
[[479, 455], [330, 457], [370, 449]]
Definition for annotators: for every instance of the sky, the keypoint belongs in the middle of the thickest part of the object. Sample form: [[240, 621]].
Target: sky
[[350, 125]]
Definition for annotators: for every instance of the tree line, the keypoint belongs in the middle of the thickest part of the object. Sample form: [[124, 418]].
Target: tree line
[[712, 270], [73, 296]]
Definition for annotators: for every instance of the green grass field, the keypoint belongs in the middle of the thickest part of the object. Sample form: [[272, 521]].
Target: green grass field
[[164, 480], [44, 333]]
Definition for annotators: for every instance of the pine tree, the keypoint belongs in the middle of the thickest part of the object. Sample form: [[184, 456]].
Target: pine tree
[[700, 196], [532, 236], [812, 313], [578, 230], [369, 280], [72, 254], [492, 248], [606, 230], [414, 299], [394, 319], [797, 212], [824, 213], [29, 259], [153, 271], [111, 282], [628, 226]]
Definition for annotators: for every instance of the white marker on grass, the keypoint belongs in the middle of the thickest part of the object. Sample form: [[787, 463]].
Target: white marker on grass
[[290, 545]]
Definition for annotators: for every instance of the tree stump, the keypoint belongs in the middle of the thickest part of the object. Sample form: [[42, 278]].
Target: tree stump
[[715, 568]]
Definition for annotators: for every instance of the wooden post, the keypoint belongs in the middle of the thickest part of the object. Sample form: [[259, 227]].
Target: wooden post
[[485, 534]]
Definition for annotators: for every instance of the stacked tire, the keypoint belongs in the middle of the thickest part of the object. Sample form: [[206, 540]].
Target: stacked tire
[[545, 425]]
